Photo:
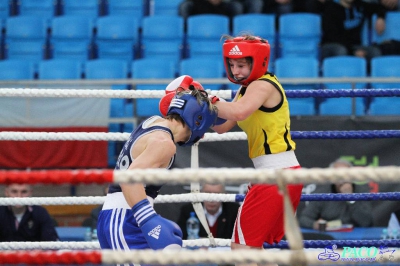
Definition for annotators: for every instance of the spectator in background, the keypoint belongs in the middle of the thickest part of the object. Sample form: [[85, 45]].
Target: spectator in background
[[22, 222], [251, 6], [220, 7], [228, 8], [220, 216], [357, 213], [342, 24]]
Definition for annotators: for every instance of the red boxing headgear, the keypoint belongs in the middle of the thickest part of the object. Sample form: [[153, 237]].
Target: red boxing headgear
[[239, 47]]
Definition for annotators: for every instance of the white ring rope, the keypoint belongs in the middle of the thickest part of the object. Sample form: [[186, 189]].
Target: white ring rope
[[163, 257], [92, 136], [98, 200], [85, 93], [94, 245], [243, 175]]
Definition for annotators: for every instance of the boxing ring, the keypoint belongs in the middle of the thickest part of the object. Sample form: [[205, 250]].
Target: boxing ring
[[294, 251]]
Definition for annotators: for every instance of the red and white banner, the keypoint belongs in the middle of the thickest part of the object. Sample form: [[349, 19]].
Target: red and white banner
[[53, 115]]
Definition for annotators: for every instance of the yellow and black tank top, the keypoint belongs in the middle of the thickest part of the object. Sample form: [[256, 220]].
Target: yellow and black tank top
[[268, 129]]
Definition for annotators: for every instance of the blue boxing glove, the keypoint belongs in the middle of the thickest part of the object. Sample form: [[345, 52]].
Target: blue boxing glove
[[159, 232]]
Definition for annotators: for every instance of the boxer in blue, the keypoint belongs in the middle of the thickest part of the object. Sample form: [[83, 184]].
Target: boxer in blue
[[128, 220]]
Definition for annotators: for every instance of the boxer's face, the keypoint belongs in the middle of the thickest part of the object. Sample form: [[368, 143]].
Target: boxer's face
[[240, 68]]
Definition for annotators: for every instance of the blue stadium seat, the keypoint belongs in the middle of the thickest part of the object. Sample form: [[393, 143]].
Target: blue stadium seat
[[298, 67], [203, 68], [204, 35], [150, 68], [16, 70], [71, 37], [262, 25], [162, 7], [88, 8], [299, 34], [59, 69], [117, 37], [5, 9], [385, 66], [119, 107], [301, 107], [392, 21], [343, 66], [132, 8], [162, 37], [41, 8], [26, 38], [385, 106]]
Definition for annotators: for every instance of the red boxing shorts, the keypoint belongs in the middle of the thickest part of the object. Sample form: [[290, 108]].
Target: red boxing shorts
[[260, 218]]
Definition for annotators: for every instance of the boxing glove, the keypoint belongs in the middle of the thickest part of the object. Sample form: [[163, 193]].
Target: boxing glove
[[180, 82], [165, 102], [197, 85], [159, 232]]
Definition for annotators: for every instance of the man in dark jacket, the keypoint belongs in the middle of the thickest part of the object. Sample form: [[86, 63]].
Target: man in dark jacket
[[25, 223], [342, 25], [220, 216]]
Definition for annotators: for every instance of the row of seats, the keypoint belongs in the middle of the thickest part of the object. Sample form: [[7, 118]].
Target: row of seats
[[90, 8], [334, 67], [122, 37]]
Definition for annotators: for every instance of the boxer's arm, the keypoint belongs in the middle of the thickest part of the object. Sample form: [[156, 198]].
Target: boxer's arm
[[157, 152], [160, 233]]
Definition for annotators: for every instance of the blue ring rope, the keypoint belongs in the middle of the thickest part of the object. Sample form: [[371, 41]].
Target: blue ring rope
[[337, 93], [339, 243], [342, 197], [350, 134]]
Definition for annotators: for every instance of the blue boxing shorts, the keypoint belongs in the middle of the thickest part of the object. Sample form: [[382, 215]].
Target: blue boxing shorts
[[117, 229]]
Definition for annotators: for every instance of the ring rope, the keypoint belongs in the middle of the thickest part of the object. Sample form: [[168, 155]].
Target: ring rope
[[197, 197], [187, 175], [208, 137], [88, 93], [168, 257], [283, 244], [94, 245], [227, 94]]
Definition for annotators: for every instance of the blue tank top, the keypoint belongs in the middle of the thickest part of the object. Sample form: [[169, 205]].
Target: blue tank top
[[125, 159]]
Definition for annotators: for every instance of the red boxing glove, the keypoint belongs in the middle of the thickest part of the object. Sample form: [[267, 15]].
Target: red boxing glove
[[165, 102], [197, 85], [180, 82]]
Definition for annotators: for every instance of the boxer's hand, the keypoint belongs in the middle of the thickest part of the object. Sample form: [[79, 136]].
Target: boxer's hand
[[165, 102], [180, 82], [213, 100], [159, 232]]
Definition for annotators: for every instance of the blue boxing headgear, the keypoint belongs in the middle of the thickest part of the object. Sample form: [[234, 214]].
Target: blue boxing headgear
[[197, 115]]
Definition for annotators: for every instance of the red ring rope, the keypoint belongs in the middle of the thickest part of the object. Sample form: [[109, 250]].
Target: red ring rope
[[50, 257], [73, 177]]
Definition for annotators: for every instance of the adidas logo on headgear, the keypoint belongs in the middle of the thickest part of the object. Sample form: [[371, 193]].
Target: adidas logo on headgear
[[235, 51], [155, 232]]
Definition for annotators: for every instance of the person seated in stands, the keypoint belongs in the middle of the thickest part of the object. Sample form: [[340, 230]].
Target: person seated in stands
[[342, 25], [25, 222], [220, 216], [357, 213]]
